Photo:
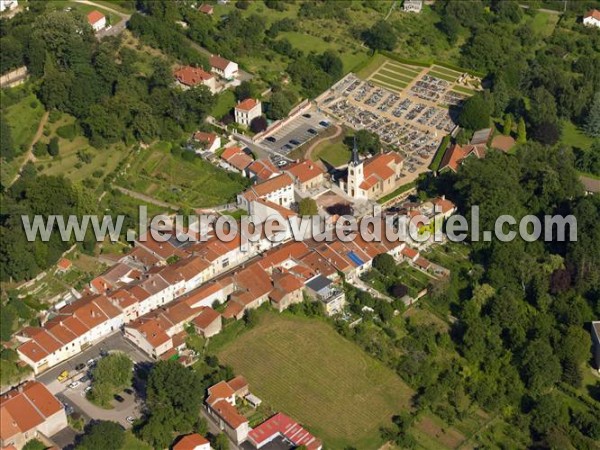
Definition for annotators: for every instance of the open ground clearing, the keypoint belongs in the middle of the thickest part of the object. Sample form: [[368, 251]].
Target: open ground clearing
[[158, 173], [303, 367]]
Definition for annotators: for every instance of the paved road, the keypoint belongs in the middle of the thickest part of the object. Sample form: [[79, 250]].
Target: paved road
[[115, 341]]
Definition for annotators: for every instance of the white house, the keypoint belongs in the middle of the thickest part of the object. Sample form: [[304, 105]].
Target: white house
[[97, 20], [247, 110], [7, 5], [223, 67], [412, 6], [278, 190], [592, 18], [210, 142]]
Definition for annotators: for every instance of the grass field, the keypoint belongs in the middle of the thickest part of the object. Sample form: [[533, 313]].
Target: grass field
[[543, 23], [225, 102], [304, 368], [158, 173], [463, 90], [23, 118], [574, 137], [334, 152], [443, 76], [69, 163], [111, 18]]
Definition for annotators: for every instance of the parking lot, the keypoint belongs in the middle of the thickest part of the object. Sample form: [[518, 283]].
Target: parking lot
[[300, 130]]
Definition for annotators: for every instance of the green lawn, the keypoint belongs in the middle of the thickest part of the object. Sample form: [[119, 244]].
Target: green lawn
[[24, 118], [336, 153], [69, 163], [372, 65], [574, 137], [395, 75], [304, 368], [403, 69], [195, 183], [402, 189], [225, 102], [543, 23], [387, 81], [464, 90], [111, 18], [443, 76]]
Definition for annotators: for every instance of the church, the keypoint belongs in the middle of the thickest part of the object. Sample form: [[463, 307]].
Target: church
[[372, 178]]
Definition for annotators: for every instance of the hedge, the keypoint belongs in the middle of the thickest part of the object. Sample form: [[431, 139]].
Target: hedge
[[437, 159]]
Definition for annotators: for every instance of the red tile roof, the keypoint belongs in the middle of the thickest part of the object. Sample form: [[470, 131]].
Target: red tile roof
[[285, 426], [94, 17], [455, 155], [266, 187], [409, 252], [206, 9], [206, 318], [22, 411], [263, 169], [443, 204], [593, 13], [238, 383], [218, 62], [151, 330], [236, 157], [380, 168], [219, 391], [246, 105], [229, 414], [190, 442], [206, 138], [192, 76], [305, 171], [64, 264]]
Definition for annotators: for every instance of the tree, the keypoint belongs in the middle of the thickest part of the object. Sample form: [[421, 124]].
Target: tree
[[220, 442], [34, 444], [279, 106], [102, 435], [245, 90], [508, 122], [385, 263], [543, 107], [475, 113], [174, 395], [114, 370], [380, 36], [548, 412], [547, 132], [258, 124], [398, 290], [308, 207], [53, 148], [7, 150], [541, 367], [592, 124], [366, 142], [521, 131]]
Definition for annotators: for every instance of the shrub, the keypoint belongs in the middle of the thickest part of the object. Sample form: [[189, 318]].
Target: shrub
[[68, 131], [40, 149]]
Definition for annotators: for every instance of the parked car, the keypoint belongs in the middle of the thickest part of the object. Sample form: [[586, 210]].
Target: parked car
[[63, 376], [286, 147], [324, 123], [270, 139], [80, 366], [308, 116], [294, 142], [84, 379], [312, 131], [281, 163], [119, 398], [130, 419], [87, 389], [74, 384], [103, 352], [128, 391], [91, 362]]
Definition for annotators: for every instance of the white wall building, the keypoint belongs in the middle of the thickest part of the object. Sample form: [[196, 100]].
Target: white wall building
[[248, 110]]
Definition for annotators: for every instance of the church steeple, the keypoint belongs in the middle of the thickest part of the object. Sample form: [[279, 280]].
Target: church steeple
[[355, 159]]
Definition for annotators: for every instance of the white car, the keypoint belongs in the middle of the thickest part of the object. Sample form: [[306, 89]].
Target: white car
[[74, 384], [130, 419]]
